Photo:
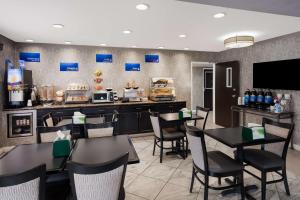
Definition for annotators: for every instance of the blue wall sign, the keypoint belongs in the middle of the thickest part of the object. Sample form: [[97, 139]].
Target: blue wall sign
[[104, 58], [152, 58], [132, 67], [69, 67], [29, 57]]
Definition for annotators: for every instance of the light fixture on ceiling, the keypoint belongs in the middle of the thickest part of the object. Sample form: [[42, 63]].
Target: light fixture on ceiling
[[219, 15], [103, 44], [127, 31], [160, 47], [239, 41], [133, 46], [142, 6], [29, 40], [59, 26], [186, 48], [68, 42], [182, 36]]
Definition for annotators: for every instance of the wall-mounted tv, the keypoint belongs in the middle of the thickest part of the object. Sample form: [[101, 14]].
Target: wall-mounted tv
[[282, 74]]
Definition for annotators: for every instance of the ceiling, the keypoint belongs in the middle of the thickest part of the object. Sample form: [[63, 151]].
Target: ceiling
[[281, 7], [102, 21]]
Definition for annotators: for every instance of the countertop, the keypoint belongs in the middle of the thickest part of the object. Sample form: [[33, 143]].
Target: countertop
[[119, 103]]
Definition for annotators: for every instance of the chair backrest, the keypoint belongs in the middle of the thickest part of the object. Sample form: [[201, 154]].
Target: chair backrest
[[197, 145], [48, 134], [48, 120], [98, 181], [155, 121], [26, 185], [99, 130], [283, 130], [202, 112]]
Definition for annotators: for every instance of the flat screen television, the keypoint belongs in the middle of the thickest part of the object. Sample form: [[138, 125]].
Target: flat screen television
[[284, 74]]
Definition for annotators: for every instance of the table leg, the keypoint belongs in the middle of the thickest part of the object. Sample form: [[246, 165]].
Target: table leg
[[235, 180]]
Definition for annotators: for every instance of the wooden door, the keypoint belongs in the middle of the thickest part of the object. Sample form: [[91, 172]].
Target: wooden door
[[227, 92]]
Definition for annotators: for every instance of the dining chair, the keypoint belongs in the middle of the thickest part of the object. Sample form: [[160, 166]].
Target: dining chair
[[98, 181], [48, 134], [25, 185], [212, 163], [99, 130], [48, 120], [164, 135], [202, 112], [271, 157]]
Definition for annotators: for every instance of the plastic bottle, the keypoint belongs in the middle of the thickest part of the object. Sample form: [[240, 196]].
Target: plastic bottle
[[268, 97], [246, 97]]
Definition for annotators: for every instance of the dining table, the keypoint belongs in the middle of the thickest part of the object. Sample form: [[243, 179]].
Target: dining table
[[233, 138], [97, 150]]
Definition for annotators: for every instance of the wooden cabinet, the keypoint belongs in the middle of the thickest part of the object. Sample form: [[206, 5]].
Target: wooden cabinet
[[133, 118]]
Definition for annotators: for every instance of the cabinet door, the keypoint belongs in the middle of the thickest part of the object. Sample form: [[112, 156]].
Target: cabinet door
[[128, 122], [145, 122]]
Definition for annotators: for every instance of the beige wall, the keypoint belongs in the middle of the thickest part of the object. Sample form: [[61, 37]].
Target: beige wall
[[175, 64]]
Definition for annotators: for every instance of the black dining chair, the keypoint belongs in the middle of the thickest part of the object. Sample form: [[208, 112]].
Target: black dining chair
[[48, 134], [164, 135], [99, 130], [25, 185], [212, 163], [271, 157], [98, 181], [48, 120]]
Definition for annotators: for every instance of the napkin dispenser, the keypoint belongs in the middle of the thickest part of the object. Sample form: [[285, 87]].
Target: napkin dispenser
[[78, 118], [184, 113], [62, 145], [253, 133]]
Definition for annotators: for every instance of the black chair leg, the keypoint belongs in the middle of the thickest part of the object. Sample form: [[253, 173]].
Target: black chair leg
[[192, 181], [263, 185], [154, 146], [285, 180], [161, 150], [242, 186], [183, 149], [206, 182], [187, 148], [219, 181]]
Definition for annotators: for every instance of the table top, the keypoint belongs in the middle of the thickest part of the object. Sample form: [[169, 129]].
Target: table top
[[248, 109], [175, 117], [25, 157], [232, 137], [91, 120], [99, 150]]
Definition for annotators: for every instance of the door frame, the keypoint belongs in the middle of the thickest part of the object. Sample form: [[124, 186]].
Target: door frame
[[204, 65]]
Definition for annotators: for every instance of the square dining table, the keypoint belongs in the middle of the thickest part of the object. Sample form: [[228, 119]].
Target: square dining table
[[232, 137]]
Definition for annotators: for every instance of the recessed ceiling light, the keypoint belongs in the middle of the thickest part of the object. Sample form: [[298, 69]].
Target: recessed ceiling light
[[186, 48], [127, 31], [103, 44], [142, 6], [161, 47], [133, 46], [182, 36], [58, 26], [29, 40], [68, 42], [219, 15]]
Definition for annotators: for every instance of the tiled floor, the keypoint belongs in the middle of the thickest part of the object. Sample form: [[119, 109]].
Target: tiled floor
[[170, 180]]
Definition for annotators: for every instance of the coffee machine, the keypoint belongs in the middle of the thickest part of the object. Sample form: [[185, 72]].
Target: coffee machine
[[18, 86]]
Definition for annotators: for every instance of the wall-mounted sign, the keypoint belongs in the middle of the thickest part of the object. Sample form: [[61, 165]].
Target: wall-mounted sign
[[69, 67], [104, 58], [152, 58], [29, 56], [132, 67]]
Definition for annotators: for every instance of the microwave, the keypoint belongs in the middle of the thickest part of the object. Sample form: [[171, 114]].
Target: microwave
[[103, 97]]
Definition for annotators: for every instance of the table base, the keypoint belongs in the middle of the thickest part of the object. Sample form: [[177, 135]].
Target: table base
[[237, 190]]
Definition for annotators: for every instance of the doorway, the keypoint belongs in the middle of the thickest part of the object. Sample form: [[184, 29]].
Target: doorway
[[202, 85]]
